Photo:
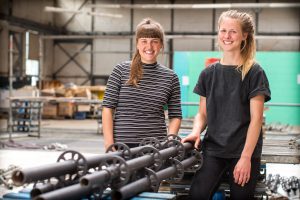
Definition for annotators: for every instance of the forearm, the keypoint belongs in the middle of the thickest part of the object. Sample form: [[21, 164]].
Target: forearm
[[174, 125], [199, 124], [252, 137], [107, 126], [254, 129]]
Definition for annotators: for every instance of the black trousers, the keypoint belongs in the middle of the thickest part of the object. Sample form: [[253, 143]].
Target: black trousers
[[207, 180]]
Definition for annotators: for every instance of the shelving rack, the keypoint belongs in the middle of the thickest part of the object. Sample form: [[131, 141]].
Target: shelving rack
[[26, 116]]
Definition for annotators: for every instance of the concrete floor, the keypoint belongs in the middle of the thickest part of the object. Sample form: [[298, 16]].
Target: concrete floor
[[61, 135]]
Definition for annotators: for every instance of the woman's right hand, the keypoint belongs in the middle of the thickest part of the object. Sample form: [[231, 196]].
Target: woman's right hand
[[193, 137]]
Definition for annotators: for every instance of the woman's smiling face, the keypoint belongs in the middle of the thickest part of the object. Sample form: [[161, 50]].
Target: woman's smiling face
[[149, 49], [230, 35]]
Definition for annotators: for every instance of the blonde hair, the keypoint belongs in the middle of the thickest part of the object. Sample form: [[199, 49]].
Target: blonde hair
[[248, 46], [147, 28]]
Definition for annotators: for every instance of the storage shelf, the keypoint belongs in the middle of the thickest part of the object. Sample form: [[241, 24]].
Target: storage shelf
[[26, 116]]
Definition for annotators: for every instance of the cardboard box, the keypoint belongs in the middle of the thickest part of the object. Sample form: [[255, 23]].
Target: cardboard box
[[49, 110], [83, 93], [48, 92], [66, 109], [83, 108]]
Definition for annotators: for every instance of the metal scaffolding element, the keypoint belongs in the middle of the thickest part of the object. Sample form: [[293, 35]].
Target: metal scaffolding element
[[76, 177]]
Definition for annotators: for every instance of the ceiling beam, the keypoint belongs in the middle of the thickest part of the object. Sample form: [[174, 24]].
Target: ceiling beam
[[31, 25], [197, 6], [263, 36]]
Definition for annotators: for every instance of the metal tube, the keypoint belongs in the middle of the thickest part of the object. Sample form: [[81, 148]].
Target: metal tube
[[33, 174], [188, 162], [43, 172], [73, 192], [41, 189], [11, 49], [97, 178], [166, 173], [48, 187], [144, 184], [135, 188], [140, 162], [94, 161], [100, 177]]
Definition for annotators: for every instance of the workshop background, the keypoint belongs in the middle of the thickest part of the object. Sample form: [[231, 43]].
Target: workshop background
[[56, 57]]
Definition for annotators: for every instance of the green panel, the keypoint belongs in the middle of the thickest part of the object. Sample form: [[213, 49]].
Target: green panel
[[190, 64], [282, 69]]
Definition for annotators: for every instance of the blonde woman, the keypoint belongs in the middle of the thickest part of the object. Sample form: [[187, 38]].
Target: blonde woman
[[232, 95]]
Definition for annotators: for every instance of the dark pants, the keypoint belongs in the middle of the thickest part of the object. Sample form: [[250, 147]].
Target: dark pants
[[207, 180]]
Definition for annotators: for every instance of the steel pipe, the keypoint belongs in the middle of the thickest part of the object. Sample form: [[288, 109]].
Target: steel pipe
[[33, 174], [99, 178], [73, 192], [146, 183]]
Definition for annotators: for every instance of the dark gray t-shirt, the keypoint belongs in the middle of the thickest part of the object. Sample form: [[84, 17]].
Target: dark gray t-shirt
[[228, 107]]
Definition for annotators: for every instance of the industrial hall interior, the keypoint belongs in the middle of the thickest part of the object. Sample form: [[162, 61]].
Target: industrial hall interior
[[141, 99]]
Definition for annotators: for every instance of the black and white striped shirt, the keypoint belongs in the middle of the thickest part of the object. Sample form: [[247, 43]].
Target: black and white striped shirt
[[139, 111]]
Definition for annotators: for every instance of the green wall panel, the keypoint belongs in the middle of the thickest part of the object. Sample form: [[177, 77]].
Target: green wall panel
[[282, 69]]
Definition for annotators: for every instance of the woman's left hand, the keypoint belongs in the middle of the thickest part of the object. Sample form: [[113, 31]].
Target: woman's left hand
[[241, 173]]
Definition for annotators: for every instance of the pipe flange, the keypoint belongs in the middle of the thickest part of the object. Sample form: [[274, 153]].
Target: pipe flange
[[154, 182], [179, 147], [151, 141], [120, 147], [199, 161], [79, 161], [179, 170], [118, 170], [148, 150]]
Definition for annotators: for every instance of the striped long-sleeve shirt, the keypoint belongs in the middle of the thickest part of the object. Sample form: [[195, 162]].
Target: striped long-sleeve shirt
[[139, 111]]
